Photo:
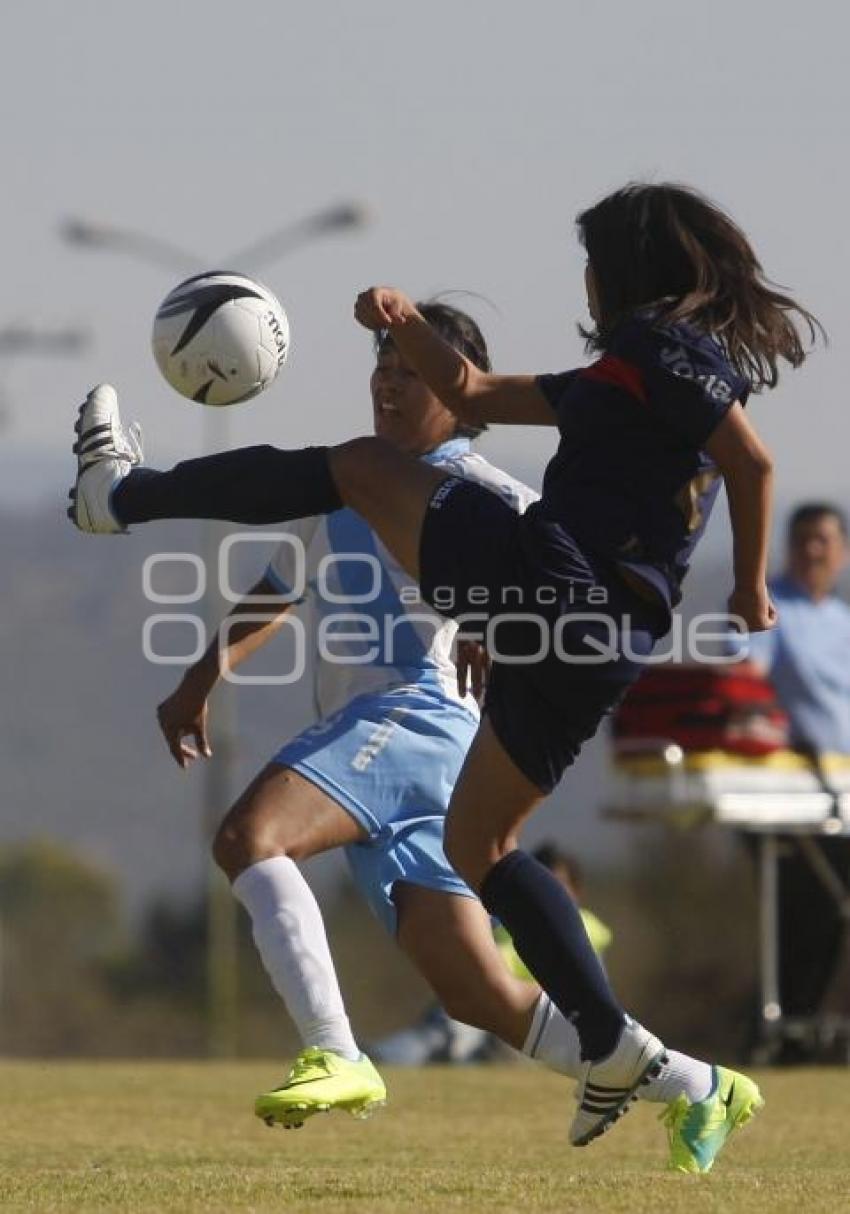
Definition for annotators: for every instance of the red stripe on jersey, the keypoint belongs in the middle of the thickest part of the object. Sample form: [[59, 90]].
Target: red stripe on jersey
[[618, 373]]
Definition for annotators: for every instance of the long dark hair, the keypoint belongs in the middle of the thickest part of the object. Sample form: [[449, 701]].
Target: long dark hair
[[460, 331], [668, 247]]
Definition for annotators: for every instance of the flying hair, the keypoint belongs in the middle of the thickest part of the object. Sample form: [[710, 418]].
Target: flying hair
[[667, 248]]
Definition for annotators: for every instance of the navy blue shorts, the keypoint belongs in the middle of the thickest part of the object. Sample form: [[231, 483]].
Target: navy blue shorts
[[567, 637]]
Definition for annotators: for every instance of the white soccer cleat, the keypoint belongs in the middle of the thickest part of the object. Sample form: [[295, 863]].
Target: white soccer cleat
[[105, 454], [607, 1088]]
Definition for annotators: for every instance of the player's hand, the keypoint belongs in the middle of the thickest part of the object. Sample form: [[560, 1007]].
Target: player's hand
[[755, 608], [183, 721], [473, 667], [382, 308]]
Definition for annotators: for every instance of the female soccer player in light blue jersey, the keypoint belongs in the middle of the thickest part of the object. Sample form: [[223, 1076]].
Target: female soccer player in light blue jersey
[[373, 775]]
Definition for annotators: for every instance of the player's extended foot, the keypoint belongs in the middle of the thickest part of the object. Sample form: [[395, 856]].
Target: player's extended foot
[[318, 1082], [105, 454], [607, 1088], [698, 1132]]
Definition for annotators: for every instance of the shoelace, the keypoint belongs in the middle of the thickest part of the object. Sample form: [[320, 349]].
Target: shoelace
[[308, 1061], [674, 1115], [131, 449], [121, 444]]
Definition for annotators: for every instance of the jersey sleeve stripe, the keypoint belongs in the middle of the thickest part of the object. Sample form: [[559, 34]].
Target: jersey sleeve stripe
[[618, 374]]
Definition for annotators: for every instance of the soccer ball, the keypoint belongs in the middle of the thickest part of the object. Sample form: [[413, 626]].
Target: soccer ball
[[220, 338]]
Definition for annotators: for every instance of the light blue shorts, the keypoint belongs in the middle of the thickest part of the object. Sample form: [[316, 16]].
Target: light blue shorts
[[391, 760]]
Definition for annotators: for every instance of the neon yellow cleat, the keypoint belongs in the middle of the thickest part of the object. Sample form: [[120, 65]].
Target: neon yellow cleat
[[319, 1081], [698, 1132]]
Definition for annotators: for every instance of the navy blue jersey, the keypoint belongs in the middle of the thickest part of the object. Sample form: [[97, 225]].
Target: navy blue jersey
[[630, 480]]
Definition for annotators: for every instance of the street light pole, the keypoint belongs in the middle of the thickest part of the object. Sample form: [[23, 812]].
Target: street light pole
[[219, 786]]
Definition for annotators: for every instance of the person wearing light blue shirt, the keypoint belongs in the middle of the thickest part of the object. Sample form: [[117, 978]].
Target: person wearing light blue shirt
[[807, 658]]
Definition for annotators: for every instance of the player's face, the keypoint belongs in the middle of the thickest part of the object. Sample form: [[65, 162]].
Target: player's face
[[817, 553], [406, 411]]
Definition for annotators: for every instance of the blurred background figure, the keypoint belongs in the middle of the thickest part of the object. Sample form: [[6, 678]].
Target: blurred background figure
[[807, 658], [569, 872], [435, 1037]]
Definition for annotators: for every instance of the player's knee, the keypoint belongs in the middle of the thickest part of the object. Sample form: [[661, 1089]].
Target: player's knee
[[472, 853], [241, 842], [357, 463]]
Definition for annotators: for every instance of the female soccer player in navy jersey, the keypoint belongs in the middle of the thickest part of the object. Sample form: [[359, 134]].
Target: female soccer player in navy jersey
[[685, 325]]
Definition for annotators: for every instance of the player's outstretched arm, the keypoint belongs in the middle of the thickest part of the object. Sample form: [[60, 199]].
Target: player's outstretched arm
[[748, 474], [473, 395], [183, 715]]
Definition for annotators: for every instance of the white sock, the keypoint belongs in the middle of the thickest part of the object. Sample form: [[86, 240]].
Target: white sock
[[680, 1075], [554, 1041], [290, 937]]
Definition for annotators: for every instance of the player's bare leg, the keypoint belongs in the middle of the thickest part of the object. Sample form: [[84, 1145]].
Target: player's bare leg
[[281, 813], [390, 490], [280, 818], [449, 939]]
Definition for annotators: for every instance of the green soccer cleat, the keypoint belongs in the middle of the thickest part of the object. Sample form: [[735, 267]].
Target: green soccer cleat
[[698, 1132], [319, 1081]]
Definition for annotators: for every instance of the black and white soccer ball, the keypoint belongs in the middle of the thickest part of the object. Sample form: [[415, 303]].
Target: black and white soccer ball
[[220, 338]]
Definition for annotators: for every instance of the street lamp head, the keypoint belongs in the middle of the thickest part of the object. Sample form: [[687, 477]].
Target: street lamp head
[[82, 232], [345, 215], [24, 338]]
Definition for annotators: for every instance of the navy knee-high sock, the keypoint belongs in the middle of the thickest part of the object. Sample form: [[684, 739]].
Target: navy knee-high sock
[[548, 934], [250, 485]]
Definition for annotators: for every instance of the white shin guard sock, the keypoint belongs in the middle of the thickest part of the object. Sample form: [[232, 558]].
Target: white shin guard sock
[[290, 937], [680, 1075], [554, 1041]]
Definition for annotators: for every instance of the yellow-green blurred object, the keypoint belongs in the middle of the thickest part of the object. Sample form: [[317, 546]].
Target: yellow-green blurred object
[[599, 934]]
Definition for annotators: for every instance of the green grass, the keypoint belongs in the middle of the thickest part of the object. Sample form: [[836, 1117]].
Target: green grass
[[181, 1136]]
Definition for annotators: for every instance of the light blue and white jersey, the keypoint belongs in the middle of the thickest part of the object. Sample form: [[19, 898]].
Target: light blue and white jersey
[[366, 616]]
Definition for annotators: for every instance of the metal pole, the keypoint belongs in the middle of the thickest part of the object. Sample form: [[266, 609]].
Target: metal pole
[[219, 792], [771, 1005]]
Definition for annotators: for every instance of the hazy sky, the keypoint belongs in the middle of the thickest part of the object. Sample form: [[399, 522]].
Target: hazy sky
[[473, 130]]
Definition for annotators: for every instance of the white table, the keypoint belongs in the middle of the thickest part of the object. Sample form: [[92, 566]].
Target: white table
[[668, 791]]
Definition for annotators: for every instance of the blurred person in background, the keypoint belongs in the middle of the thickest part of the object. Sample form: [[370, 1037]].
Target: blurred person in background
[[436, 1037], [807, 658], [568, 870]]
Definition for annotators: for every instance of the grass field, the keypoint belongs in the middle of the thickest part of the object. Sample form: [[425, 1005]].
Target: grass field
[[162, 1137]]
